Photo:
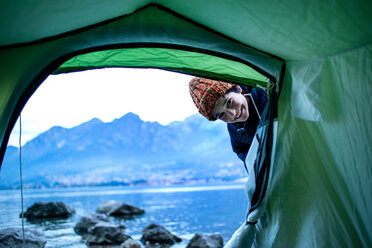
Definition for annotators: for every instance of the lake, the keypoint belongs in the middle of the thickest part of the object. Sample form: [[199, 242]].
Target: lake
[[183, 210]]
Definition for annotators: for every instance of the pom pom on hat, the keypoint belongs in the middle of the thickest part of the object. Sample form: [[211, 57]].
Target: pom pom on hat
[[205, 94]]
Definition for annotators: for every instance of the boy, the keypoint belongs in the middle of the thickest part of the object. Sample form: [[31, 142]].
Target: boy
[[239, 106]]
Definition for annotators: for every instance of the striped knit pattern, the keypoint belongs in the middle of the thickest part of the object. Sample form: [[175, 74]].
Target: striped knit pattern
[[205, 94]]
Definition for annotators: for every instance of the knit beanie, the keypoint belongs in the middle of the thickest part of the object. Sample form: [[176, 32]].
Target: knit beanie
[[205, 94]]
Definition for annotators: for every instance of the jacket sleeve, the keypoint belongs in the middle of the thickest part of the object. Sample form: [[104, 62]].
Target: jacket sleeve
[[241, 142], [240, 152], [239, 147]]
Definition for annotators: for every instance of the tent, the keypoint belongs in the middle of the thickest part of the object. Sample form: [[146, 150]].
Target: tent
[[316, 56]]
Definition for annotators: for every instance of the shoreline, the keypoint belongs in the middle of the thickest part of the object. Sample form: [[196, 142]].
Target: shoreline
[[117, 190]]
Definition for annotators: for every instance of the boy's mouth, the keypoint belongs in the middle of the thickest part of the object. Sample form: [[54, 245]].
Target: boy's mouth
[[240, 114]]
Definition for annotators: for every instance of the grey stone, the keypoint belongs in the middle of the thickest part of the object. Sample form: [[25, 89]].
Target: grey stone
[[130, 243], [13, 238], [104, 233], [119, 209], [86, 222], [108, 206], [159, 236], [46, 210], [201, 240]]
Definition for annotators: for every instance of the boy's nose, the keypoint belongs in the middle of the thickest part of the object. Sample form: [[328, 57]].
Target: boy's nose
[[231, 112]]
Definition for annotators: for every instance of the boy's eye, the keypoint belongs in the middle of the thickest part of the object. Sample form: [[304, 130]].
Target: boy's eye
[[220, 116], [228, 103]]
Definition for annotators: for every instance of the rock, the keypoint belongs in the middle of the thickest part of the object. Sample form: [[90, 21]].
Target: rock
[[87, 222], [46, 210], [156, 235], [108, 206], [119, 209], [13, 237], [126, 210], [130, 243], [201, 240], [105, 233]]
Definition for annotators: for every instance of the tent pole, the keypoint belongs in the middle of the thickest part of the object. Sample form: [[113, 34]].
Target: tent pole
[[20, 175]]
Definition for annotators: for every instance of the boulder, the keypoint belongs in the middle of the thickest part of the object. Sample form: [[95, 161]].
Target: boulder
[[159, 236], [127, 211], [201, 240], [105, 233], [87, 222], [13, 237], [107, 206], [119, 209], [130, 243], [46, 210]]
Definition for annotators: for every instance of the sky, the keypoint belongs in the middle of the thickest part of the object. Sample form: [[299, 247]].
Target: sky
[[70, 99]]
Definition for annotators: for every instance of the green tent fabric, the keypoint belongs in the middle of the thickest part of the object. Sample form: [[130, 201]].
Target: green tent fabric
[[317, 54]]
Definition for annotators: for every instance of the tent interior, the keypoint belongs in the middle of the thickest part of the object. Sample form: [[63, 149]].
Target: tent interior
[[314, 56]]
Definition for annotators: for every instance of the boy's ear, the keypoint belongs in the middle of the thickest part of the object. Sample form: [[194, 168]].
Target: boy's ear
[[239, 89]]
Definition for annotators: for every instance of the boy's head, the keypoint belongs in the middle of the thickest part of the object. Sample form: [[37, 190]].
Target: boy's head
[[219, 100], [205, 93]]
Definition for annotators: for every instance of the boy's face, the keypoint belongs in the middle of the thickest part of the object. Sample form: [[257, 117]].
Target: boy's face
[[231, 107]]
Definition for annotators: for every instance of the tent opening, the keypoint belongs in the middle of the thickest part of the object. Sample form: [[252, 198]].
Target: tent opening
[[53, 149]]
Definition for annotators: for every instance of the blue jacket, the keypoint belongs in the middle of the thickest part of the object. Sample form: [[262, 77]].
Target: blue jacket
[[241, 141]]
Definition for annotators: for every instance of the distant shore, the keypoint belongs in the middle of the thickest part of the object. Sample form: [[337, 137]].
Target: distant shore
[[137, 183]]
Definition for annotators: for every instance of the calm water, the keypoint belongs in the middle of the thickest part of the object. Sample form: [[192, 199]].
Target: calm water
[[182, 210]]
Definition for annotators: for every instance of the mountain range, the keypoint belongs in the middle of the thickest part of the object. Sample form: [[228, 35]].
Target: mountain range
[[125, 151]]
